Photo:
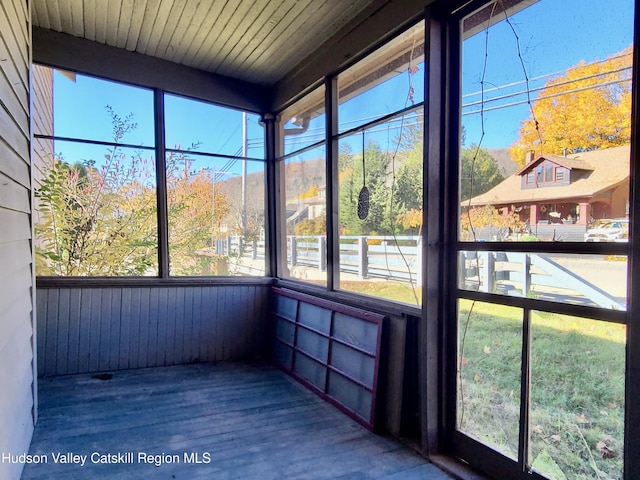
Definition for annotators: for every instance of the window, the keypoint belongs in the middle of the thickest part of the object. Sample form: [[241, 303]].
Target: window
[[96, 211], [530, 178], [529, 397], [389, 80], [378, 143], [380, 117], [94, 162], [215, 189], [303, 199]]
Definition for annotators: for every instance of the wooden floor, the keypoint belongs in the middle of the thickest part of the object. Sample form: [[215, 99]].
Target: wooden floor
[[250, 421]]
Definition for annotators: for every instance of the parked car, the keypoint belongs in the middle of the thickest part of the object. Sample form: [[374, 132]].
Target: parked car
[[609, 231]]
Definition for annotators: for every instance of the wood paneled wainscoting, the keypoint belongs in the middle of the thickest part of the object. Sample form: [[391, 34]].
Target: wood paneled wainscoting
[[84, 329]]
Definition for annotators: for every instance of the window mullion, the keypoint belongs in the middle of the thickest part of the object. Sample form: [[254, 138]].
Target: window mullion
[[271, 186], [525, 390], [331, 130], [161, 185]]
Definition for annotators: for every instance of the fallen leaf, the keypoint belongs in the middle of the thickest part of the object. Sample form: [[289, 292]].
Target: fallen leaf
[[613, 405], [556, 438], [494, 388], [604, 450], [604, 413], [487, 349], [477, 378], [581, 419], [464, 362], [537, 429]]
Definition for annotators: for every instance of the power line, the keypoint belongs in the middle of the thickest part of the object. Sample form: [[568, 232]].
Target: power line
[[559, 94], [559, 84], [546, 75]]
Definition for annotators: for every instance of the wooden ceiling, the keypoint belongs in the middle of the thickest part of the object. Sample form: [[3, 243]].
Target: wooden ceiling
[[258, 41]]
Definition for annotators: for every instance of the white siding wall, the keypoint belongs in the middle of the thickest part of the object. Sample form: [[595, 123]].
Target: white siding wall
[[16, 280]]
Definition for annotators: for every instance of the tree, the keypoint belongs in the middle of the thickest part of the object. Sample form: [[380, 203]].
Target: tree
[[408, 189], [479, 172], [475, 219], [351, 182], [316, 226], [407, 195], [587, 108], [193, 214], [97, 220]]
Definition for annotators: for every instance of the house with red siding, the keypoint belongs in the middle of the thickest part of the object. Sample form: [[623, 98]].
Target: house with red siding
[[574, 189]]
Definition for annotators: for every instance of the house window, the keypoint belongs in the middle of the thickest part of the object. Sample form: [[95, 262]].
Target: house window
[[530, 178], [512, 329]]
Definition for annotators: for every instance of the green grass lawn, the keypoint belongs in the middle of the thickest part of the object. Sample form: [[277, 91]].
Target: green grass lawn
[[389, 290], [577, 389], [577, 384]]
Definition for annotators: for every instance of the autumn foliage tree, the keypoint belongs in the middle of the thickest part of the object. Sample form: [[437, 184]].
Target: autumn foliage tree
[[98, 216], [193, 214], [588, 108]]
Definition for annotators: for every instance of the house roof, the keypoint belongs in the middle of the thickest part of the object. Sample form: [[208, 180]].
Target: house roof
[[605, 169], [567, 162]]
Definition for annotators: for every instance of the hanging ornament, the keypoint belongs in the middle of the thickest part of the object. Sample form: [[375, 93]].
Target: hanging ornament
[[363, 196]]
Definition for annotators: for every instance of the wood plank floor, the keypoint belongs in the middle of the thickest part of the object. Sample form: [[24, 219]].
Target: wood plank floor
[[249, 421]]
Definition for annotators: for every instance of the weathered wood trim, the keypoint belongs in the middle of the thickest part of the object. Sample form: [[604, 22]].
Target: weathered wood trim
[[14, 196], [13, 165], [382, 306], [15, 255], [153, 282], [65, 51], [12, 135], [17, 60], [15, 226]]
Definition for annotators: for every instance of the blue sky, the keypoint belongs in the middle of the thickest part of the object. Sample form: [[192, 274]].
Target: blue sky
[[553, 35], [80, 111]]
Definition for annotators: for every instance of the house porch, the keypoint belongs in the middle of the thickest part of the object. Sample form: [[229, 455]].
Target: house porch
[[223, 421]]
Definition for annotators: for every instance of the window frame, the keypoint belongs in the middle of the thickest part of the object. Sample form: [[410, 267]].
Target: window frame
[[455, 443], [332, 136], [160, 150]]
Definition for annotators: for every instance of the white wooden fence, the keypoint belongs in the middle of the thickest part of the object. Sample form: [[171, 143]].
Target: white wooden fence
[[396, 257], [529, 274]]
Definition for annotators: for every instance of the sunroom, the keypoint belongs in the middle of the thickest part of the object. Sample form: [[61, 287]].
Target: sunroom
[[235, 242]]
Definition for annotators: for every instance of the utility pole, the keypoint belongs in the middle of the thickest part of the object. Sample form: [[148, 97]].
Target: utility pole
[[214, 179], [244, 173]]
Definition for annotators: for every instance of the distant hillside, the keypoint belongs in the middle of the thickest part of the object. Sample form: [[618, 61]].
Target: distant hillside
[[301, 176], [506, 166]]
